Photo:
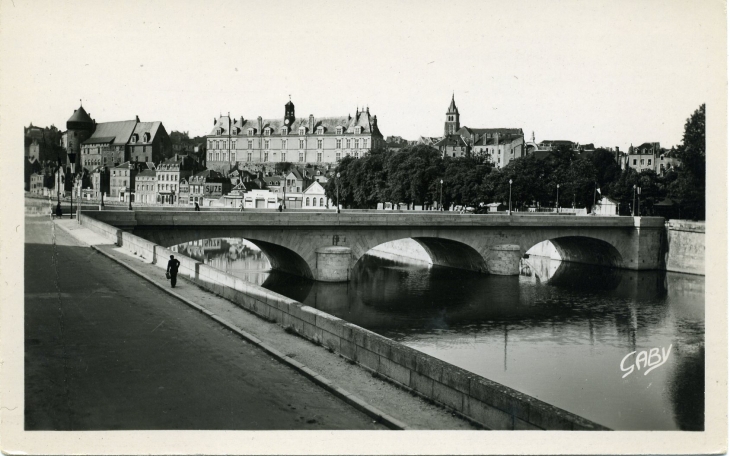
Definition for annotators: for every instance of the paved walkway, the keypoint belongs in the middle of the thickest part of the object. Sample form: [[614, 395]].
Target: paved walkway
[[107, 350], [415, 412]]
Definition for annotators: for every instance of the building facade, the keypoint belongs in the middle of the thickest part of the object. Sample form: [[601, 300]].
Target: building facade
[[145, 187], [290, 139], [122, 181]]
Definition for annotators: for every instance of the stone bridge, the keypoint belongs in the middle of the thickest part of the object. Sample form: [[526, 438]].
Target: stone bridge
[[326, 245]]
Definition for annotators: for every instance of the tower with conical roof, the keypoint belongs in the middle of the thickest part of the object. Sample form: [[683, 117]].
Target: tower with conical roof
[[451, 126], [80, 126]]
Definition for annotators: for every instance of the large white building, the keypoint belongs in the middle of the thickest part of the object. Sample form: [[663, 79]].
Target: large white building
[[290, 139]]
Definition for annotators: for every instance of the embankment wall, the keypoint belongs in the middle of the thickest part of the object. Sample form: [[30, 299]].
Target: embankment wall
[[491, 404], [685, 247]]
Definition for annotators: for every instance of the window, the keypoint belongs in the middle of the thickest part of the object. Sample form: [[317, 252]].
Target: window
[[266, 144], [233, 144], [357, 144], [339, 144], [649, 162], [364, 143], [357, 154], [250, 132], [307, 202], [233, 156], [301, 156], [348, 143], [634, 162], [301, 144], [134, 139], [319, 156], [302, 131], [319, 144], [284, 131], [267, 131], [358, 130], [662, 158], [338, 156], [146, 137], [321, 202], [339, 130], [266, 156], [249, 157], [250, 143], [320, 130], [642, 162], [218, 131], [283, 156]]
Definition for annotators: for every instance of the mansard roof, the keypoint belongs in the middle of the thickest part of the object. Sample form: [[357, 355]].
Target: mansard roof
[[348, 123]]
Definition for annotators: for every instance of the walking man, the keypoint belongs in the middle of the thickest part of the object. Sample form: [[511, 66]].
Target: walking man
[[172, 266]]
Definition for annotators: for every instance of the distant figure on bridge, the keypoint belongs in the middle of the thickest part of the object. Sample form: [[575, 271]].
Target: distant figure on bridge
[[172, 266], [280, 209], [241, 206], [197, 208]]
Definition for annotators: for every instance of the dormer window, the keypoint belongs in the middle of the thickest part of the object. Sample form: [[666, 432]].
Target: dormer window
[[320, 130], [339, 130], [358, 130], [135, 137], [219, 131], [267, 131], [234, 131], [146, 137], [302, 130], [284, 131], [250, 131]]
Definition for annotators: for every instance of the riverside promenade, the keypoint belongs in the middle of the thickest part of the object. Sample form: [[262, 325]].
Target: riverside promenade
[[109, 347]]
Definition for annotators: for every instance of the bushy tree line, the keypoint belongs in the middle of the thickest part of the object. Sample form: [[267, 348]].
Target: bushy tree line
[[413, 175]]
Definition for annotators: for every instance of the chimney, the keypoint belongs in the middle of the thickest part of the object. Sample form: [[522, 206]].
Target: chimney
[[311, 123], [137, 118], [496, 139], [261, 125], [215, 121]]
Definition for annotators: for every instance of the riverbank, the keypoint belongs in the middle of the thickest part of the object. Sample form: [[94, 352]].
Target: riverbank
[[491, 404]]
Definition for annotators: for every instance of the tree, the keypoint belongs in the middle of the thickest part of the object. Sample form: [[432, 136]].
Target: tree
[[688, 189], [282, 168]]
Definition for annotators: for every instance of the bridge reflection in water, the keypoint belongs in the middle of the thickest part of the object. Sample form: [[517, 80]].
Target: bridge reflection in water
[[557, 332]]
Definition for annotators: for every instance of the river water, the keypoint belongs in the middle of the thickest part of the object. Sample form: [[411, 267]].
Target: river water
[[557, 332]]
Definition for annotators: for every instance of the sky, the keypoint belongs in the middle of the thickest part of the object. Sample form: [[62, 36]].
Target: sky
[[610, 73]]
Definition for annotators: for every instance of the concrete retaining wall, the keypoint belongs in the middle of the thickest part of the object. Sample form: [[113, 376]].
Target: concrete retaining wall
[[685, 247], [489, 403]]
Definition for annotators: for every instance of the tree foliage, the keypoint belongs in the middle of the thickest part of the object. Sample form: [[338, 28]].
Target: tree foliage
[[689, 187]]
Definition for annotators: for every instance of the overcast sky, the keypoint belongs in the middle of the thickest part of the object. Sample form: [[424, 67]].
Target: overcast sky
[[611, 73]]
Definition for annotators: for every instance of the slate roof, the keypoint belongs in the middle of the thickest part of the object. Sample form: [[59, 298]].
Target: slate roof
[[451, 140], [121, 131], [240, 126], [147, 127], [80, 115], [314, 186], [492, 131], [147, 172], [100, 140], [503, 139]]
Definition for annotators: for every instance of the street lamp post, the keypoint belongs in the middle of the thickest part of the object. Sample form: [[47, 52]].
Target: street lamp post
[[337, 185], [510, 197], [58, 188], [638, 200], [633, 202], [441, 195], [72, 162], [285, 184], [557, 200]]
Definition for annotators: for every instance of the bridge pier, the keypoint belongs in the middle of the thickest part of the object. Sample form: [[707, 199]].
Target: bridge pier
[[333, 264], [504, 259]]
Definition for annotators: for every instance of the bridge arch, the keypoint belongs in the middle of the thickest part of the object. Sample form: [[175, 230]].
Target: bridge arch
[[582, 249], [442, 252]]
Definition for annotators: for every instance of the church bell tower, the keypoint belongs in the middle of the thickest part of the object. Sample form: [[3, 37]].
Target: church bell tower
[[289, 113], [451, 126]]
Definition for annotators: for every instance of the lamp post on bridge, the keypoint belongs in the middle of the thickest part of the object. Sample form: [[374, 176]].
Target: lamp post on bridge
[[441, 196], [638, 201], [557, 200], [337, 185], [510, 197]]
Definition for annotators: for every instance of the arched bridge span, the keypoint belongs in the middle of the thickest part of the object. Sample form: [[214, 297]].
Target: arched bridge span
[[301, 243]]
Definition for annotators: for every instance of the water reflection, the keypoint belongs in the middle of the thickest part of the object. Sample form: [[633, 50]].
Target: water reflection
[[557, 332]]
